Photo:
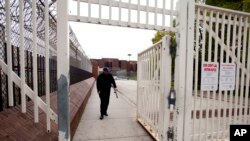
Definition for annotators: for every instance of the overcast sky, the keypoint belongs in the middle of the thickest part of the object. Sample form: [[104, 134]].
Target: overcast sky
[[101, 41]]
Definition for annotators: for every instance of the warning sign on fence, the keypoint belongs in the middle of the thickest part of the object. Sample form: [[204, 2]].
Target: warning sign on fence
[[209, 76], [227, 76]]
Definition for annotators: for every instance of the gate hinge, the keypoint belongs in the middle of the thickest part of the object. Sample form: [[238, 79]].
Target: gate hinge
[[170, 133], [171, 99], [173, 47]]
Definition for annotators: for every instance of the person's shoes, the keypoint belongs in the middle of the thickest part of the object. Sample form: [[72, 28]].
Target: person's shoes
[[101, 117], [106, 114]]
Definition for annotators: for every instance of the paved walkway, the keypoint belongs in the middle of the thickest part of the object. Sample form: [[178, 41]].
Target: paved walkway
[[120, 125]]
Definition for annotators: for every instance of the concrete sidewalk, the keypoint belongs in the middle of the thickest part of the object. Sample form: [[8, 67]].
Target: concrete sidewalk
[[120, 125]]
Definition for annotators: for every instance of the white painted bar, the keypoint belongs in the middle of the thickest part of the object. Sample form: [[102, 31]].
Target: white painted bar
[[152, 89], [9, 53], [110, 12], [209, 60], [221, 61], [181, 63], [203, 59], [120, 12], [163, 14], [138, 99], [224, 107], [147, 13], [100, 10], [63, 71], [210, 36], [89, 9], [237, 73], [166, 76], [171, 13], [197, 47], [162, 102], [122, 24], [148, 90], [47, 55], [189, 70], [78, 8], [22, 64], [228, 36], [155, 22], [226, 120], [242, 83], [129, 12], [233, 59], [34, 45], [246, 116], [215, 60], [138, 11]]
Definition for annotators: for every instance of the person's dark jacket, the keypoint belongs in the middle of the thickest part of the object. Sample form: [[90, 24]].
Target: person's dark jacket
[[104, 82]]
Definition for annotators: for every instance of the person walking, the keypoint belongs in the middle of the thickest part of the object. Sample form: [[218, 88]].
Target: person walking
[[104, 82]]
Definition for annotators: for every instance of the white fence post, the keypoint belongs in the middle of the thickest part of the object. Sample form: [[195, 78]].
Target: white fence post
[[189, 70], [180, 74], [63, 71], [34, 45], [22, 65], [184, 67], [9, 53], [165, 85], [47, 73]]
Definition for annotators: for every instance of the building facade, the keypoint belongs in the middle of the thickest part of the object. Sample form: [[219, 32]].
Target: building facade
[[117, 67]]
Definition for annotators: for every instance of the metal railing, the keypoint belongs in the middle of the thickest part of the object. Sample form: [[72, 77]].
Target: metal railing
[[31, 26], [222, 37], [153, 15], [154, 81], [28, 76]]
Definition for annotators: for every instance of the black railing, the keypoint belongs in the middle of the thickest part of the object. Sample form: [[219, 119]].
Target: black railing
[[28, 76]]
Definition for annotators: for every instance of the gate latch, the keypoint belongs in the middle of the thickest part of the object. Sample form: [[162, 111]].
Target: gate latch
[[171, 99], [170, 134], [173, 47]]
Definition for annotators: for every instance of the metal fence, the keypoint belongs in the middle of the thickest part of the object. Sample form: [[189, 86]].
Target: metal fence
[[207, 103], [31, 26], [222, 38], [28, 74], [154, 82]]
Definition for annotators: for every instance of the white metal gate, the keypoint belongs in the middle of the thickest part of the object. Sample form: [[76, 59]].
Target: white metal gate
[[222, 37], [220, 43], [154, 81], [143, 14], [216, 43]]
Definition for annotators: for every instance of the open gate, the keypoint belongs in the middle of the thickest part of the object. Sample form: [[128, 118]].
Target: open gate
[[154, 81], [212, 77], [206, 36]]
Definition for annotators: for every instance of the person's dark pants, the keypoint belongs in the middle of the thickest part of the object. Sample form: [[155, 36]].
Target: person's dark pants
[[104, 97]]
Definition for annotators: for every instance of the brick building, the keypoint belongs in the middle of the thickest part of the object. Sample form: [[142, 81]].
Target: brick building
[[115, 65]]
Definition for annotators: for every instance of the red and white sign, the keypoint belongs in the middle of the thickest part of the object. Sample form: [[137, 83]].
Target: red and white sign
[[227, 76], [209, 76]]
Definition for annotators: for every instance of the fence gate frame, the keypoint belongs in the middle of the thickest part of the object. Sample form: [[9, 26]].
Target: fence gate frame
[[185, 19]]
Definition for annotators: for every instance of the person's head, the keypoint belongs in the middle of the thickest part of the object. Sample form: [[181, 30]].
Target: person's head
[[105, 70]]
